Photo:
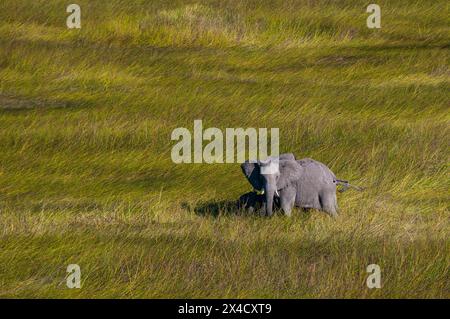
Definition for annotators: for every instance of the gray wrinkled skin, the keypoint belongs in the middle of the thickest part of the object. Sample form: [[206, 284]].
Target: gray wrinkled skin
[[304, 183]]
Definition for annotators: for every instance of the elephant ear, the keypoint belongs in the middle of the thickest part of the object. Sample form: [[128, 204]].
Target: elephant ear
[[253, 173], [290, 171]]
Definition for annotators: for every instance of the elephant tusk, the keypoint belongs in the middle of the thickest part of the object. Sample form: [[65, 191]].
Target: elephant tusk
[[259, 192], [276, 192]]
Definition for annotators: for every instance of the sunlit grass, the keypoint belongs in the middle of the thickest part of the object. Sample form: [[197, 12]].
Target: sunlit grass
[[86, 175]]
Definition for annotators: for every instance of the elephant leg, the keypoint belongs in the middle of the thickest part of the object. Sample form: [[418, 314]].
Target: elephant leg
[[247, 201], [287, 200], [329, 203], [256, 204]]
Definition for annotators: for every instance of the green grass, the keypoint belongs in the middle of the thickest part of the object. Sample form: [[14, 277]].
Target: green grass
[[86, 175]]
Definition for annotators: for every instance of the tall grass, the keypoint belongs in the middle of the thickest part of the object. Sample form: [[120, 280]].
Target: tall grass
[[86, 175]]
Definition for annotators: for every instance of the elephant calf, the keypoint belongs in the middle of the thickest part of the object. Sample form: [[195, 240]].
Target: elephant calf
[[304, 183], [253, 202]]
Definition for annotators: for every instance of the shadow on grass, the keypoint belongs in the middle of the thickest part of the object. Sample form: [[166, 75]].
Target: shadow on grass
[[217, 208], [236, 208]]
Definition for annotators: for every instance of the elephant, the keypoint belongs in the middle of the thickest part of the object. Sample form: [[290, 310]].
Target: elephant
[[252, 202], [304, 183]]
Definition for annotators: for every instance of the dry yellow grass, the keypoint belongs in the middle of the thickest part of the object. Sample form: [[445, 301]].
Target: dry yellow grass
[[86, 175]]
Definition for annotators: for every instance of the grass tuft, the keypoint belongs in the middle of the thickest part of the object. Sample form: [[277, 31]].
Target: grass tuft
[[86, 175]]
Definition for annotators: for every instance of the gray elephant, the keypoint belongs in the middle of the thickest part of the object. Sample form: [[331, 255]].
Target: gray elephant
[[254, 201], [304, 183]]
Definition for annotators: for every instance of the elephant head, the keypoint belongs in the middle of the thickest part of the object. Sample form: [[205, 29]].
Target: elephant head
[[272, 175]]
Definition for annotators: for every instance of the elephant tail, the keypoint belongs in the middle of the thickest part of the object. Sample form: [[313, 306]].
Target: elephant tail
[[346, 185]]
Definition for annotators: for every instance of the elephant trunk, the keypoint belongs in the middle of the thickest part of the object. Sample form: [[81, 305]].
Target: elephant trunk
[[269, 190]]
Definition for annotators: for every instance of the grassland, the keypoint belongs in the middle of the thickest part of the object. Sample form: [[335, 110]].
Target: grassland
[[86, 175]]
